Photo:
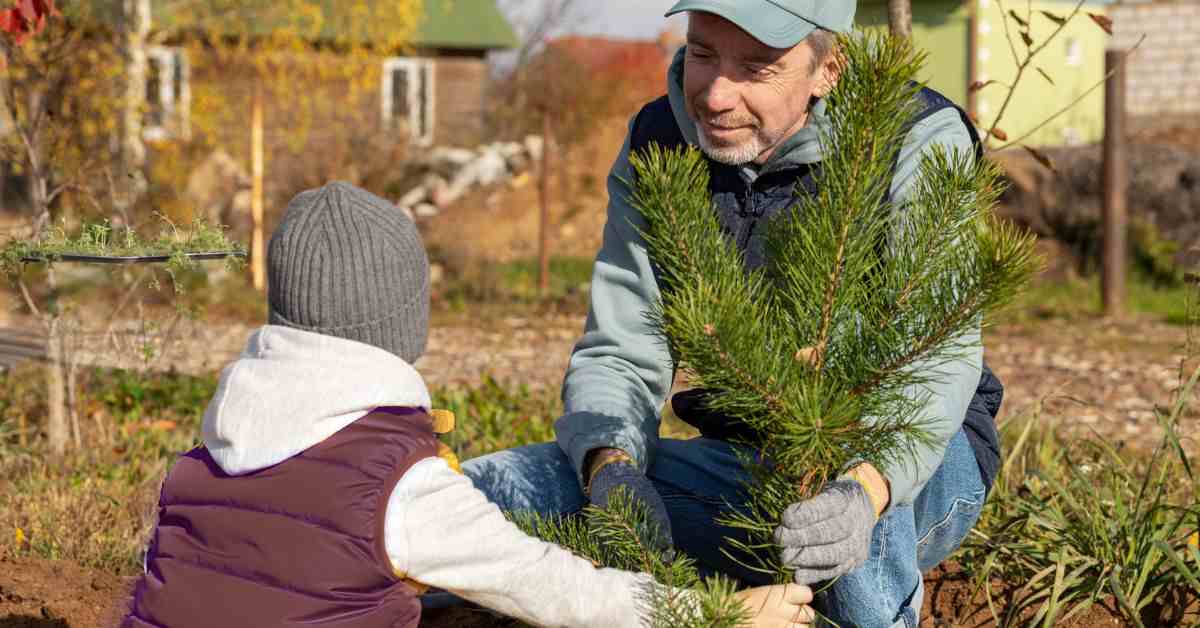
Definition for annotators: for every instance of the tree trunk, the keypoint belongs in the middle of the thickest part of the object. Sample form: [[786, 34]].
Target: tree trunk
[[57, 430], [135, 31], [258, 251], [39, 185], [544, 213], [900, 18]]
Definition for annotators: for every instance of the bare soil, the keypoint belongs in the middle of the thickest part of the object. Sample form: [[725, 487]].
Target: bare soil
[[57, 594]]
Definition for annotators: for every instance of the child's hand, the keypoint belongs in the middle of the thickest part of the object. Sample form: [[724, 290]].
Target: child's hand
[[779, 606]]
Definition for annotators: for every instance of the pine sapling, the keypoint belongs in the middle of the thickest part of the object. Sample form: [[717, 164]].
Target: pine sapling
[[860, 302]]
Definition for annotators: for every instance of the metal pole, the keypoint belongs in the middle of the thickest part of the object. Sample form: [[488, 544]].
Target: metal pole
[[1116, 185]]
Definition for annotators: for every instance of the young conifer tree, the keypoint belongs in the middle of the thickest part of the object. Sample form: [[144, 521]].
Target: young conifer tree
[[859, 302]]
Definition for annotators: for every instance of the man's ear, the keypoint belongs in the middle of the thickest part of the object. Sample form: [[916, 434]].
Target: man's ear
[[827, 75]]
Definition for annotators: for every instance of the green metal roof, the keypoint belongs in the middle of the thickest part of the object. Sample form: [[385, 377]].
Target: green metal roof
[[475, 24], [460, 24]]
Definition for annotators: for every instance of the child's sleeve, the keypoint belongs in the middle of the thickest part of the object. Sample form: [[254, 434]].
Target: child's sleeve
[[443, 532]]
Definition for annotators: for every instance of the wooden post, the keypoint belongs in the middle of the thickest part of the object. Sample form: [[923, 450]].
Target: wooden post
[[1116, 184], [544, 214], [258, 261], [900, 18], [972, 57]]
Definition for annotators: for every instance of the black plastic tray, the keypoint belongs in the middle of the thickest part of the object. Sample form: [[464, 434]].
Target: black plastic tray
[[131, 259]]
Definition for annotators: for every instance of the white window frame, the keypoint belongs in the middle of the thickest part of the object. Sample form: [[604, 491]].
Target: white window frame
[[176, 114], [418, 70]]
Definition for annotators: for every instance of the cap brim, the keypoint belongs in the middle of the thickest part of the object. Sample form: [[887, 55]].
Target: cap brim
[[765, 21]]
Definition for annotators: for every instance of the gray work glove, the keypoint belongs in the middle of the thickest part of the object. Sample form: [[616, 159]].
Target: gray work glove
[[640, 489], [828, 536]]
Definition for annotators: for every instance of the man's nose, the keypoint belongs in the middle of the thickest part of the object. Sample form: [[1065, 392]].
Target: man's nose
[[722, 95]]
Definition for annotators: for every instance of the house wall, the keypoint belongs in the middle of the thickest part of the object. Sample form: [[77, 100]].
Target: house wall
[[1164, 73], [1074, 62], [939, 29], [461, 86]]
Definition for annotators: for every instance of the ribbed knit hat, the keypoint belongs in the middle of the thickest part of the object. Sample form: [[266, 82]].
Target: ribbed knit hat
[[344, 262]]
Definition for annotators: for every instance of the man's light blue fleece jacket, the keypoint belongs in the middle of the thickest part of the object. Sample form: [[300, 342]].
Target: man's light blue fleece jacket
[[621, 373]]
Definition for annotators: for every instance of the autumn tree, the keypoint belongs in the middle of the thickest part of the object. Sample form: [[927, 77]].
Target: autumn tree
[[73, 89]]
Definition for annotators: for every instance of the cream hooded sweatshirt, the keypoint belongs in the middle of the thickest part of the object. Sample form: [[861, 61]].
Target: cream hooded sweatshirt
[[291, 389]]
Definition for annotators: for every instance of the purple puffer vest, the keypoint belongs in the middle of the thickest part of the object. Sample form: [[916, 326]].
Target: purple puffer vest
[[297, 544]]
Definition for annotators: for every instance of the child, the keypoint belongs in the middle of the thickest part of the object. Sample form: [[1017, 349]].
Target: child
[[319, 497]]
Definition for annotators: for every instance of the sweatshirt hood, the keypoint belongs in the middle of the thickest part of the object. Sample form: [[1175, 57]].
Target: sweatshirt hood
[[803, 147], [291, 389]]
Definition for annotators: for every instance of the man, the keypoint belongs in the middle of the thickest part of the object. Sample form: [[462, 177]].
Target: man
[[748, 90]]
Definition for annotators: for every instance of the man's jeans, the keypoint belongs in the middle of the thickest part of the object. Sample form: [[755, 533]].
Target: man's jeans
[[698, 478]]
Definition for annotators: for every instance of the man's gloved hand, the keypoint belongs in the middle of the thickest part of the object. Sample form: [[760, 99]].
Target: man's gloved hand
[[622, 474], [828, 536]]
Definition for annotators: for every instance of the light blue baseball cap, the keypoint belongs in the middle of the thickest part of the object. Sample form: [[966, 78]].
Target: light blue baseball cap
[[778, 23]]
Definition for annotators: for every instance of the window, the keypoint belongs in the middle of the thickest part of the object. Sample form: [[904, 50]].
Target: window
[[1074, 52], [408, 100], [1071, 136], [168, 95]]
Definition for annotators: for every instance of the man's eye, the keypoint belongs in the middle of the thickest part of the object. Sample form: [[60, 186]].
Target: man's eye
[[699, 54], [760, 71]]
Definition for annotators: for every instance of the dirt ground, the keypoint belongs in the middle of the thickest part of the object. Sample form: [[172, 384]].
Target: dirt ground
[[33, 595], [58, 594]]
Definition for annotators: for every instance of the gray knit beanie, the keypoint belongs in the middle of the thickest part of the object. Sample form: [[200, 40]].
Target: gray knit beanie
[[344, 262]]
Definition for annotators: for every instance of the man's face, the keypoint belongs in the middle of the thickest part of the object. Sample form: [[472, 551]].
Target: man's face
[[744, 96]]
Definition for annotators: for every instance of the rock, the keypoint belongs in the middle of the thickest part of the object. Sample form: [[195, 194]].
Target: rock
[[413, 197], [436, 273], [509, 149], [490, 167], [453, 156], [439, 192], [534, 146]]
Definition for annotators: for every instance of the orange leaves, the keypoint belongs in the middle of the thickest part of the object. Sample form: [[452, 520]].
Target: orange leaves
[[27, 18]]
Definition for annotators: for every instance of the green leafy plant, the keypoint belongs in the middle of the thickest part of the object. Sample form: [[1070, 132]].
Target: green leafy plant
[[101, 240]]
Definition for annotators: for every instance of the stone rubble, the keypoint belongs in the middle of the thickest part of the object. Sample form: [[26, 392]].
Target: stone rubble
[[450, 173]]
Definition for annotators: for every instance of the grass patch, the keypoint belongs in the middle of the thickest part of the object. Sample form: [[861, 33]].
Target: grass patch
[[1076, 298], [468, 283], [1073, 524]]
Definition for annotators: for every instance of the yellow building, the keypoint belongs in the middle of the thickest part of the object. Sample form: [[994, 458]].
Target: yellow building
[[968, 42]]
